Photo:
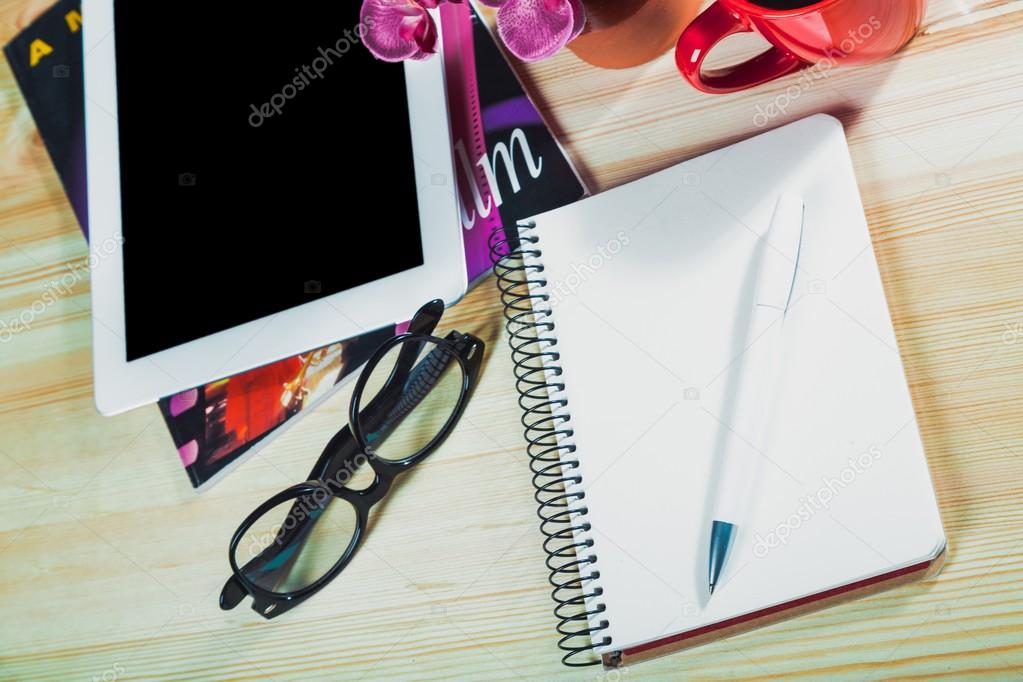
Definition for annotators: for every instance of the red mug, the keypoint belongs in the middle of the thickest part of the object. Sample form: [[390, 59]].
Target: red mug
[[840, 32]]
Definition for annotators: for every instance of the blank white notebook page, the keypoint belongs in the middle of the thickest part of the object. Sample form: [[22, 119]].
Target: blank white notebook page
[[651, 287]]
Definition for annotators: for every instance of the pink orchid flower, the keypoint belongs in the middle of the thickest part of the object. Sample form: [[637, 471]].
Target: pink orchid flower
[[536, 29], [395, 30]]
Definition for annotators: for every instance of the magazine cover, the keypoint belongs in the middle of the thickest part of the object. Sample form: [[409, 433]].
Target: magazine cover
[[508, 163], [46, 59], [509, 167]]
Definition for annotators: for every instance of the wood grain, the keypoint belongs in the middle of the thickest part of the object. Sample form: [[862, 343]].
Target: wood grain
[[110, 565]]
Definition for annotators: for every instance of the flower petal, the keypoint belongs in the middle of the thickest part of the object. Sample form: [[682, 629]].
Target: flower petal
[[395, 30], [426, 39], [536, 29], [580, 19]]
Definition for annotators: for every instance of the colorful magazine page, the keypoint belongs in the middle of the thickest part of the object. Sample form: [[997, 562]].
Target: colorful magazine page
[[46, 59], [214, 425], [508, 164]]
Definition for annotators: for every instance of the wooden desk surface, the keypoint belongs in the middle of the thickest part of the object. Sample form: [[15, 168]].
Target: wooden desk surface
[[110, 564]]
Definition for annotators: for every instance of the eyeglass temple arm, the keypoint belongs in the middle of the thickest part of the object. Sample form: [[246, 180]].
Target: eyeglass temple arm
[[341, 448], [420, 382], [423, 323]]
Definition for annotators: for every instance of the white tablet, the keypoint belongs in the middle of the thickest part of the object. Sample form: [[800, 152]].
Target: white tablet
[[255, 189]]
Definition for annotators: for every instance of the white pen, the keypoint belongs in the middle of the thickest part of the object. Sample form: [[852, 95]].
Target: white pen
[[759, 378]]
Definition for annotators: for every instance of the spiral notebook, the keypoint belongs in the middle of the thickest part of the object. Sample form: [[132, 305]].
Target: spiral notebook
[[626, 318]]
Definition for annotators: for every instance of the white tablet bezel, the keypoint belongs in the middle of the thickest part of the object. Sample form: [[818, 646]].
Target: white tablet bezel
[[121, 385]]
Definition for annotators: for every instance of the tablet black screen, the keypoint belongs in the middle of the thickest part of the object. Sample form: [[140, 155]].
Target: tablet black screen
[[266, 161]]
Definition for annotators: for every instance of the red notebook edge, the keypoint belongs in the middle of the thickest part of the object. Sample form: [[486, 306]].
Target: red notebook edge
[[777, 613]]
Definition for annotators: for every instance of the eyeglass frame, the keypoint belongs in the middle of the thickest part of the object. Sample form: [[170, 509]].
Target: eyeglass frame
[[346, 446]]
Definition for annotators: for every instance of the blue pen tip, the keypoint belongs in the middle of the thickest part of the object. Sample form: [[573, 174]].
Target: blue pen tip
[[721, 535]]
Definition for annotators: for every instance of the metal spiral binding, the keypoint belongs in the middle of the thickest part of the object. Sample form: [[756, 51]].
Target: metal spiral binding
[[548, 434]]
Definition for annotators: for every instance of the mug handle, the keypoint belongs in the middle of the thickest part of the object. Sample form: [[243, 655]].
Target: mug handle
[[714, 25]]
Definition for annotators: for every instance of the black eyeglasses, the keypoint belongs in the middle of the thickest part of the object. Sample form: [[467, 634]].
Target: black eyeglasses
[[406, 402]]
